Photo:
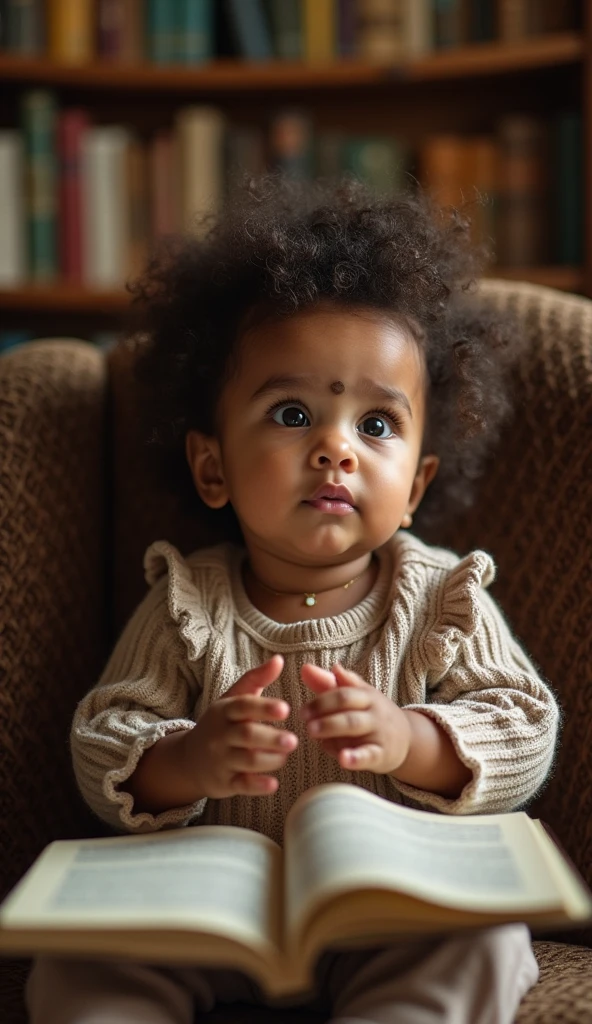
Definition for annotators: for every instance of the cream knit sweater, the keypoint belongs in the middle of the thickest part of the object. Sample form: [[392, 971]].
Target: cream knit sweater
[[427, 635]]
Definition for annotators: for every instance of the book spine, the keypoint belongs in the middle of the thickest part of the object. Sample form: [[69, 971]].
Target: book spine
[[110, 23], [290, 145], [249, 28], [70, 31], [378, 162], [12, 209], [557, 17], [200, 149], [160, 30], [569, 189], [479, 179], [513, 20], [4, 41], [419, 27], [39, 125], [320, 31], [71, 128], [347, 36], [137, 195], [524, 191], [133, 32], [381, 30], [245, 153], [286, 24], [440, 163], [196, 38], [482, 21], [162, 210], [24, 26], [105, 207], [450, 23]]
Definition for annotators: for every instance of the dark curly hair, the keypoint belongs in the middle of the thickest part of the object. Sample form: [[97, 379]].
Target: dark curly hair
[[280, 247]]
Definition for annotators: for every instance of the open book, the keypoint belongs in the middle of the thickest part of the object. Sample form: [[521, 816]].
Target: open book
[[355, 871]]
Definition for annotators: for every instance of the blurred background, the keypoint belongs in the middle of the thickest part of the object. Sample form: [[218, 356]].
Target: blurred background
[[120, 120]]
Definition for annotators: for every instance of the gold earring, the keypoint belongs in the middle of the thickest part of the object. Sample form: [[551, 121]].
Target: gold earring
[[407, 520]]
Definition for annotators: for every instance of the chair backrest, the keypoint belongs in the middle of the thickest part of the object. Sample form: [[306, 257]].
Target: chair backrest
[[533, 513]]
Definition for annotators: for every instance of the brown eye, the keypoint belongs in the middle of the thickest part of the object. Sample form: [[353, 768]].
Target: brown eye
[[375, 426], [290, 416]]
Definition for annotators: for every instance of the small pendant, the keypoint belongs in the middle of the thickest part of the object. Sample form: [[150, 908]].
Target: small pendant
[[310, 600]]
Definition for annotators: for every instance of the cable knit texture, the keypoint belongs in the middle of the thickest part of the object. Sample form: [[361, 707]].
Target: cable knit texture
[[427, 635]]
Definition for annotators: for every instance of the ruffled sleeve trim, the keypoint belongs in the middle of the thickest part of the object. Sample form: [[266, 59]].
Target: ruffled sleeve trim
[[458, 616], [184, 602], [143, 821]]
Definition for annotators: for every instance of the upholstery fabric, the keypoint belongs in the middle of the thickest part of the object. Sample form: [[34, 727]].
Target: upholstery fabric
[[77, 510]]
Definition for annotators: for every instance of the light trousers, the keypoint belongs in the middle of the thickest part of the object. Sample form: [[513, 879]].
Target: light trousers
[[476, 978]]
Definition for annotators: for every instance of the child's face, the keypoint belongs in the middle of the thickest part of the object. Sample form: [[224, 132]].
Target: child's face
[[327, 397]]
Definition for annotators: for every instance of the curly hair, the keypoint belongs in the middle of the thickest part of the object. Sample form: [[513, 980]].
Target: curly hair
[[280, 247]]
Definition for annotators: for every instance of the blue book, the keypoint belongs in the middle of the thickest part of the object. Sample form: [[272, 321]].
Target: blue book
[[194, 31], [249, 29], [162, 17]]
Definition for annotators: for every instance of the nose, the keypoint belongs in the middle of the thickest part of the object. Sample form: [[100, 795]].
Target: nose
[[332, 448]]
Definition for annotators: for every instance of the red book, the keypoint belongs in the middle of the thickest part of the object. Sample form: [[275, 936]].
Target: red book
[[72, 125]]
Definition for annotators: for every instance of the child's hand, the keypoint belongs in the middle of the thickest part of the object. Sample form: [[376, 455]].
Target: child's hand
[[230, 746], [355, 723]]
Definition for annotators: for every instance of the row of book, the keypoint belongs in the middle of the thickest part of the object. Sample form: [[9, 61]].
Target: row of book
[[98, 196], [188, 32]]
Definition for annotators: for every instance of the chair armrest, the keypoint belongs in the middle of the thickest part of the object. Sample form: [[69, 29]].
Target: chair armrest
[[52, 587]]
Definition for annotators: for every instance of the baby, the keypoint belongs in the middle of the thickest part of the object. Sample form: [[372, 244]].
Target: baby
[[315, 371]]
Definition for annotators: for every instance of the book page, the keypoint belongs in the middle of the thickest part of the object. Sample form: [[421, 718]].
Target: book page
[[216, 879], [341, 838]]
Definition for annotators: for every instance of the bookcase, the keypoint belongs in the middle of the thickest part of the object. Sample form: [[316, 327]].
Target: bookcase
[[451, 92]]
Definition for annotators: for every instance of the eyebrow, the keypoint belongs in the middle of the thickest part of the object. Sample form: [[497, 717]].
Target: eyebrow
[[365, 386]]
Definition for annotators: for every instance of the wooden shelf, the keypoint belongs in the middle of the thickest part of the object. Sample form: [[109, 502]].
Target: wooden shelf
[[233, 75], [66, 298]]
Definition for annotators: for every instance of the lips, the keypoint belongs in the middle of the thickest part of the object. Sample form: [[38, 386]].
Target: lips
[[332, 492], [332, 498]]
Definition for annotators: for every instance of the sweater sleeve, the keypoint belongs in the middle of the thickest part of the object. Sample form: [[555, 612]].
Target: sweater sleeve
[[502, 719], [147, 690]]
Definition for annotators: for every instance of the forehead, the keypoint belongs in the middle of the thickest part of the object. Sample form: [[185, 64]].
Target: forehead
[[330, 345]]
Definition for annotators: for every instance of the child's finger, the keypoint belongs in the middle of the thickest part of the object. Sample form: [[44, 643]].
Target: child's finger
[[319, 680], [251, 784], [254, 708], [254, 735], [345, 677], [258, 678], [345, 723], [366, 757], [344, 699]]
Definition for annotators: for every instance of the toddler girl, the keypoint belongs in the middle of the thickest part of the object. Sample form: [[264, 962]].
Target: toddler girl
[[315, 367]]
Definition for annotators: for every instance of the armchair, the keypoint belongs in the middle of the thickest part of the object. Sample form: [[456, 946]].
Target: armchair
[[77, 512]]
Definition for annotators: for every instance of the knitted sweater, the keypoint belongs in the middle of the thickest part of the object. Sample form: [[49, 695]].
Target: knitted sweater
[[427, 635]]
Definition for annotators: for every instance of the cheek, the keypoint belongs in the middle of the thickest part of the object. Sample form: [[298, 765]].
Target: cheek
[[260, 473]]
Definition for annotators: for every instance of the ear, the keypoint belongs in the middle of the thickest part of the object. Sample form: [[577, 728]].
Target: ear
[[426, 471], [205, 463]]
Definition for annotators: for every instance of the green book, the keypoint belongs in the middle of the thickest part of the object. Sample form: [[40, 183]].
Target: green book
[[379, 162], [39, 130], [285, 17], [194, 31], [162, 19], [569, 188]]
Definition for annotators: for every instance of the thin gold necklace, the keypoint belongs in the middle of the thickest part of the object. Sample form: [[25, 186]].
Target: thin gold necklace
[[309, 599]]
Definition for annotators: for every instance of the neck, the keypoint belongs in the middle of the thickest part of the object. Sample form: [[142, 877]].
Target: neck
[[278, 587]]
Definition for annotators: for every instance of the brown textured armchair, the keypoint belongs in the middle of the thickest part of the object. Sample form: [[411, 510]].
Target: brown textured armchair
[[76, 513]]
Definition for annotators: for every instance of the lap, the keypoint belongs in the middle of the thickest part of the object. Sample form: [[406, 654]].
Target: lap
[[485, 964]]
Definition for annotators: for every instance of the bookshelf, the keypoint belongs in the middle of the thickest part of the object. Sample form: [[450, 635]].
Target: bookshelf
[[452, 90]]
